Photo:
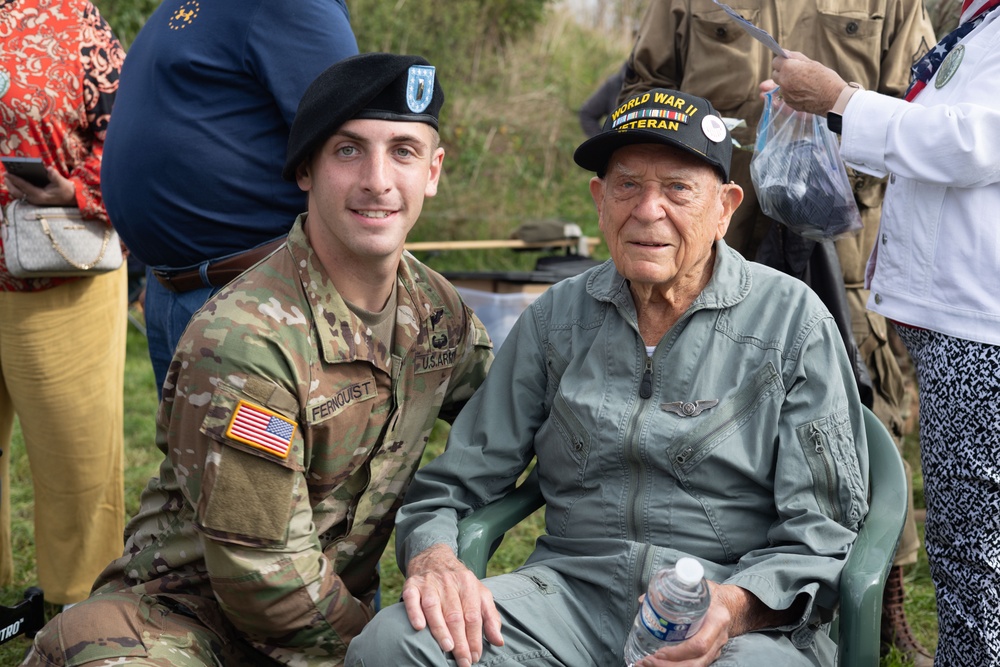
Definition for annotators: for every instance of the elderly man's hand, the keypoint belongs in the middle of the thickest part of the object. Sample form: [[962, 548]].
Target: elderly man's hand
[[705, 646], [733, 611], [442, 594], [806, 85]]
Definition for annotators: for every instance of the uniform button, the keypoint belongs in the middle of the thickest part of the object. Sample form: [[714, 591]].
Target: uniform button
[[878, 298], [885, 239], [720, 32], [852, 27], [892, 178]]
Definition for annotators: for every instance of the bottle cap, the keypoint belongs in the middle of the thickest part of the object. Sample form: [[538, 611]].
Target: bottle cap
[[689, 571]]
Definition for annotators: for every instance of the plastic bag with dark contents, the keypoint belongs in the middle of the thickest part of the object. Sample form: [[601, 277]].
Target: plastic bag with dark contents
[[798, 174]]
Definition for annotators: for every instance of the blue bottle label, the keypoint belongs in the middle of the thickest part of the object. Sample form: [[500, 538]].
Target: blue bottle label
[[663, 629]]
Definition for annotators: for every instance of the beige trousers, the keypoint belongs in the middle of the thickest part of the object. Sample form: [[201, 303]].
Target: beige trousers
[[62, 365]]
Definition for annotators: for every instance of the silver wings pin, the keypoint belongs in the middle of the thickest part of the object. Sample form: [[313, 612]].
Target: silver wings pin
[[688, 408]]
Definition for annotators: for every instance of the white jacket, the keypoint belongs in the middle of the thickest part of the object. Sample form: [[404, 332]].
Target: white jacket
[[936, 264]]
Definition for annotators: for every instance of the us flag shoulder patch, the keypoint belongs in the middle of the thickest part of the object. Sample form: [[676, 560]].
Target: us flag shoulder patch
[[261, 428]]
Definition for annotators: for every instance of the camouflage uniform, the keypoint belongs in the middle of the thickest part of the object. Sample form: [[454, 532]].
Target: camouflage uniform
[[238, 551], [692, 45]]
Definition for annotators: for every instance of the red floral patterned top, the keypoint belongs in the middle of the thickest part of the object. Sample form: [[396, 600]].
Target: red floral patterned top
[[59, 67]]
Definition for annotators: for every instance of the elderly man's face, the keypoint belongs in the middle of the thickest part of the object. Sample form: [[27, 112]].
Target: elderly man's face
[[661, 210]]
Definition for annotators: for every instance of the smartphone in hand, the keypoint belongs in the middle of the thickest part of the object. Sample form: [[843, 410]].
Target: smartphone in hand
[[30, 169]]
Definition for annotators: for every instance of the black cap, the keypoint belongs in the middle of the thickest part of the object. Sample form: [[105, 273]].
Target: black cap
[[661, 116], [385, 86]]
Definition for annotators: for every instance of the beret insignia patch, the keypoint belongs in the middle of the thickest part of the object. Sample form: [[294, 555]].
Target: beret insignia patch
[[419, 87]]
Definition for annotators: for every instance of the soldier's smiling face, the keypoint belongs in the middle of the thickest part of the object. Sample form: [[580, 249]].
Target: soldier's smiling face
[[367, 185]]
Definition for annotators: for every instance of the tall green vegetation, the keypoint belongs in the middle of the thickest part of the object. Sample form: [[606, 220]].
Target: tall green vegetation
[[515, 73], [126, 17], [458, 35]]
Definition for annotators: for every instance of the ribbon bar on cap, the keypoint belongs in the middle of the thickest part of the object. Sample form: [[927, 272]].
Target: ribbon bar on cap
[[651, 113]]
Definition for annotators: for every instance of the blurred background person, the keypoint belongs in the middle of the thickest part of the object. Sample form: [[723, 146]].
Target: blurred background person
[[934, 274], [603, 101], [62, 341], [944, 15], [192, 167], [694, 46]]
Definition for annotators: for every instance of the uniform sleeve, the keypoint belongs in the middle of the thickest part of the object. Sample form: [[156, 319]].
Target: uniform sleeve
[[101, 56], [287, 601], [291, 41], [653, 62], [907, 36], [234, 436], [821, 430]]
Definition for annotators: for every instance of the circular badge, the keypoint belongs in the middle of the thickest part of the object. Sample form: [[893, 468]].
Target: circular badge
[[714, 128], [949, 66], [184, 15], [4, 81]]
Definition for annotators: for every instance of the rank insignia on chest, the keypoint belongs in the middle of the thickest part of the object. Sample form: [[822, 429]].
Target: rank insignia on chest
[[261, 428]]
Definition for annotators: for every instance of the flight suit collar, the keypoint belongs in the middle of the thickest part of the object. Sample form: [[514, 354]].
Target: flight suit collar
[[730, 283]]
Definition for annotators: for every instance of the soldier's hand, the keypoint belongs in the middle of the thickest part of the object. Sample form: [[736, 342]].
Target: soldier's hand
[[443, 595]]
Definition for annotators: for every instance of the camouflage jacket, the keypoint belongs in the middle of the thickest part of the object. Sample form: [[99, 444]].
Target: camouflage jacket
[[290, 435]]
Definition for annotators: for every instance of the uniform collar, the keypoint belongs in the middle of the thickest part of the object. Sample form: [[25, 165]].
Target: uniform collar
[[730, 282], [343, 337]]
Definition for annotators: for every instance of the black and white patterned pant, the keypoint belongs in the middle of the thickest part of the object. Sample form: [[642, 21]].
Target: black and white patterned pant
[[959, 386]]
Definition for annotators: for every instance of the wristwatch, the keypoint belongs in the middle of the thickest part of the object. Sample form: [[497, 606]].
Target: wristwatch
[[835, 116]]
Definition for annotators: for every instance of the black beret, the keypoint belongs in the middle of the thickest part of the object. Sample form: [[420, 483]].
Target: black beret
[[661, 116], [385, 86]]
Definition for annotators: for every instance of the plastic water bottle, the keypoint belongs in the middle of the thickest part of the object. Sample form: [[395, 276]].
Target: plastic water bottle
[[673, 610]]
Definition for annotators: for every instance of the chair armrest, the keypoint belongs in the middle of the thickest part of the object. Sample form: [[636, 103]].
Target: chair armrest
[[871, 555], [478, 532]]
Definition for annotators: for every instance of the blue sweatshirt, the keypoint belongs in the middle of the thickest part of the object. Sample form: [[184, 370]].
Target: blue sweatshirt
[[198, 134]]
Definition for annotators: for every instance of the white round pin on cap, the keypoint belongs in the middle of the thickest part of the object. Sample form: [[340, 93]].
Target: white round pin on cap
[[714, 128]]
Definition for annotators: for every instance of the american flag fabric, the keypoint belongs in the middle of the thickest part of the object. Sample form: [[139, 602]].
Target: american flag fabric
[[973, 13], [973, 8], [261, 428]]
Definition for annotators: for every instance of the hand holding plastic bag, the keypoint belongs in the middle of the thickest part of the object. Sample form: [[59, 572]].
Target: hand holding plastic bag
[[798, 173]]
